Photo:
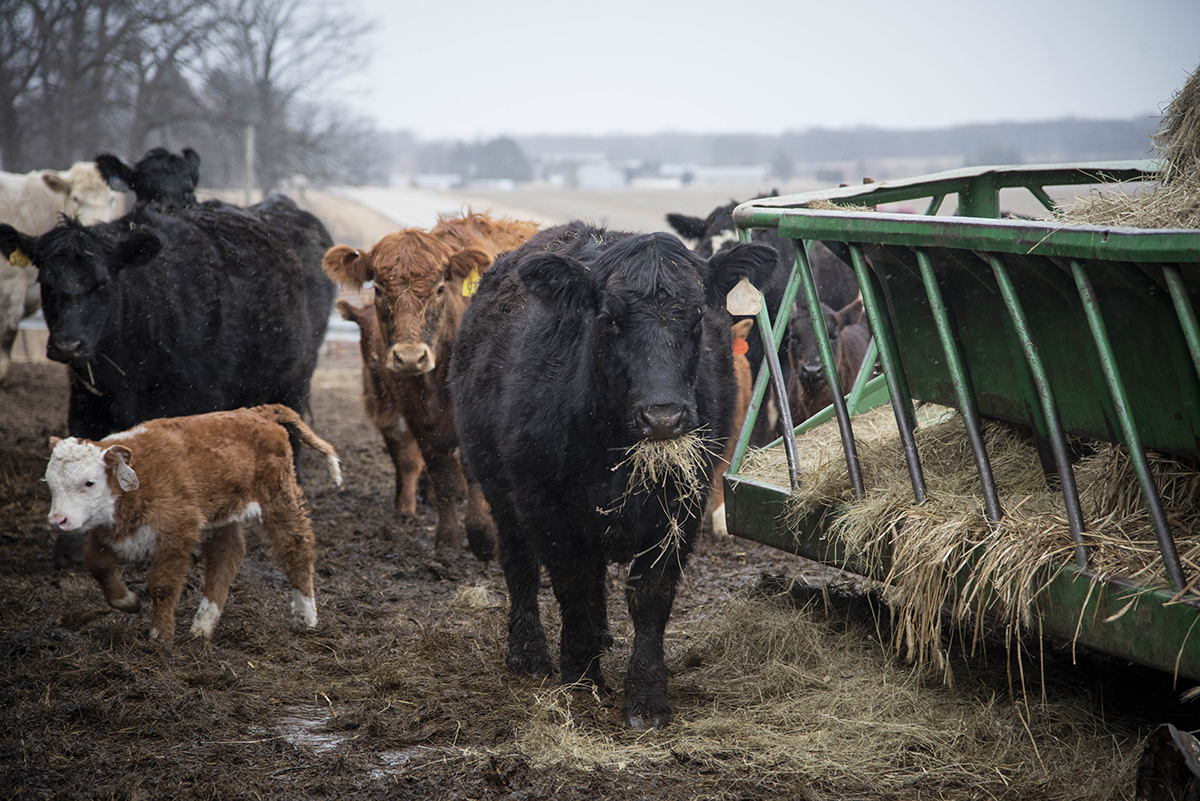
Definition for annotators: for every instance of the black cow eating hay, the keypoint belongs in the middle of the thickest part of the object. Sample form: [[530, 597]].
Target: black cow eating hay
[[582, 351]]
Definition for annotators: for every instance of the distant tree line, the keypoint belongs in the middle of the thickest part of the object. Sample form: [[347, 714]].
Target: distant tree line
[[81, 77]]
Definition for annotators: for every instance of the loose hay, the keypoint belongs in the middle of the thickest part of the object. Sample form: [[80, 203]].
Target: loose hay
[[943, 561], [1175, 201], [803, 698]]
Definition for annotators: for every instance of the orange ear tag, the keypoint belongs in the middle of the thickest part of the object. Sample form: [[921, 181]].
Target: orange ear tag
[[471, 284], [18, 259], [740, 347]]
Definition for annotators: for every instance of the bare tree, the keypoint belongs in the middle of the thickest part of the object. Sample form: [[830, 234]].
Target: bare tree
[[280, 55]]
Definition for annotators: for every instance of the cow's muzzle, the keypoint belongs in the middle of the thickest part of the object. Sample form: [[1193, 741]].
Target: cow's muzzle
[[661, 421], [411, 359], [66, 350]]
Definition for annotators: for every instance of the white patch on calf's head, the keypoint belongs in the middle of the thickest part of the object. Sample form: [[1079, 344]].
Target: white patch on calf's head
[[723, 238], [80, 497]]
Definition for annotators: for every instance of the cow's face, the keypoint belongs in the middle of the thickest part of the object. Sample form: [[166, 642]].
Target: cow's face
[[84, 194], [76, 269], [654, 306], [78, 474], [804, 352], [418, 293]]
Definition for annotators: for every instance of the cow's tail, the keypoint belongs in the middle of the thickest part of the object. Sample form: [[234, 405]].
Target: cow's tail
[[288, 418]]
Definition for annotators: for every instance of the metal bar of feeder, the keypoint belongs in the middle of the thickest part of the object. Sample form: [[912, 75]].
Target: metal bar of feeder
[[962, 385], [1186, 313], [849, 447], [1112, 377], [885, 337], [1041, 382]]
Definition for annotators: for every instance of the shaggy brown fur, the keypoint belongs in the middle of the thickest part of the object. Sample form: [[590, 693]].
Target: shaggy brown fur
[[382, 400], [171, 479], [421, 292]]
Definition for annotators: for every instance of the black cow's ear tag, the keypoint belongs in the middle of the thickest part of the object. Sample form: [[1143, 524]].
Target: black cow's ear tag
[[744, 299], [18, 259]]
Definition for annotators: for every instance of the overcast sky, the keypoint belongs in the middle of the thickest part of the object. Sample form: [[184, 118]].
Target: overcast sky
[[475, 69]]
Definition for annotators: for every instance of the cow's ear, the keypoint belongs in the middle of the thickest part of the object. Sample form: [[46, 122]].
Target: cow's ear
[[119, 460], [135, 249], [348, 266], [730, 265], [193, 160], [56, 183], [467, 261], [557, 281], [348, 311], [741, 329], [116, 173], [16, 247], [685, 226]]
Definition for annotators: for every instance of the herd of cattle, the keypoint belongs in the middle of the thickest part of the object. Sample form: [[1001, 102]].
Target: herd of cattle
[[512, 367]]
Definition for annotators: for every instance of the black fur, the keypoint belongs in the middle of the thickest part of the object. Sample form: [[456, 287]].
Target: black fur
[[198, 310], [160, 178], [576, 346]]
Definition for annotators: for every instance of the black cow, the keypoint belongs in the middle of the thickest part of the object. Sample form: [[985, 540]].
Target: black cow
[[836, 285], [577, 346], [167, 314], [160, 178]]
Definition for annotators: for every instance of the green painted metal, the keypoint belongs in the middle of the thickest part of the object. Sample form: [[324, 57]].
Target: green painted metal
[[962, 385], [1033, 348]]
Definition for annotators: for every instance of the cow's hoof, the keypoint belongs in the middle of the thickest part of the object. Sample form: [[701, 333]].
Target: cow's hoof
[[206, 619], [304, 611], [129, 603], [647, 715], [535, 664]]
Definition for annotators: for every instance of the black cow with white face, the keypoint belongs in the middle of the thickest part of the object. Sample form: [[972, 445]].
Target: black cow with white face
[[167, 314], [160, 178], [577, 346]]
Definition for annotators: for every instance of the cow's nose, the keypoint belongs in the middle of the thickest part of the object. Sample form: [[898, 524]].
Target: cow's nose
[[662, 421], [812, 371], [57, 522], [64, 350], [411, 358]]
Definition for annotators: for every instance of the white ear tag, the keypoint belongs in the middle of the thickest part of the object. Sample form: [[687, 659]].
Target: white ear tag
[[126, 478], [743, 299]]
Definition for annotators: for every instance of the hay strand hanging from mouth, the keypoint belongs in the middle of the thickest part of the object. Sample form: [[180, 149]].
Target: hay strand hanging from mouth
[[657, 463]]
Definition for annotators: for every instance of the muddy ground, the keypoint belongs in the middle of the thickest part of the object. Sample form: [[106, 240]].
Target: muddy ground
[[402, 692]]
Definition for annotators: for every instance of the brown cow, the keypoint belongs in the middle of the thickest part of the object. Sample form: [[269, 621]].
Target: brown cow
[[381, 398], [423, 280], [745, 386], [169, 485]]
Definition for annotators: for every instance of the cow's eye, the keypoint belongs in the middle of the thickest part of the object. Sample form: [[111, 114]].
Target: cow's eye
[[89, 484], [441, 290]]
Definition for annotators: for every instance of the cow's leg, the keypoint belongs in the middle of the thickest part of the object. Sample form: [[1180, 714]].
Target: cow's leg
[[481, 530], [446, 481], [650, 593], [527, 651], [578, 581], [222, 551], [168, 570], [291, 537], [102, 563], [406, 458]]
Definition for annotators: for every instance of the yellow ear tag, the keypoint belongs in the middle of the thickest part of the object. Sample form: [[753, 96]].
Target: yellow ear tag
[[471, 284], [18, 259]]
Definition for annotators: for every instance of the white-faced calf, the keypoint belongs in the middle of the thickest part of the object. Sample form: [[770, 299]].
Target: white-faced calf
[[166, 486]]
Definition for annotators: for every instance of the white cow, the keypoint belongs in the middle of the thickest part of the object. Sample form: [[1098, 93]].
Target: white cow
[[32, 203]]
